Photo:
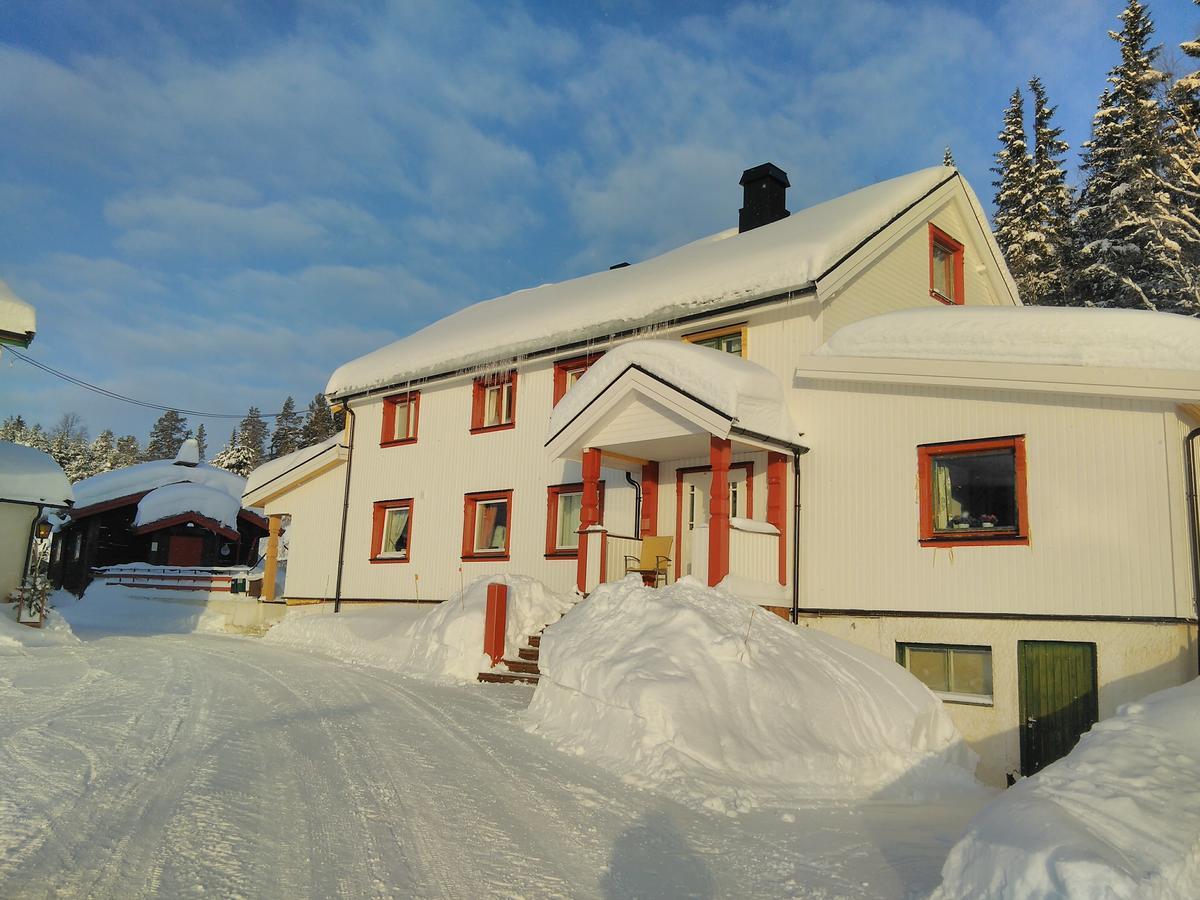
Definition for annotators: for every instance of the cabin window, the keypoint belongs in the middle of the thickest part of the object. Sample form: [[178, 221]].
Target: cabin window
[[973, 492], [727, 340], [487, 517], [954, 672], [391, 534], [564, 506], [945, 267], [400, 415], [494, 403], [569, 371]]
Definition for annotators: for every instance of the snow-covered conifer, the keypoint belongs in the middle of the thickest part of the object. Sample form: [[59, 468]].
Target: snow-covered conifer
[[127, 452], [318, 423], [103, 453], [1047, 242], [202, 442], [948, 158], [167, 435], [252, 435], [1011, 221], [285, 438]]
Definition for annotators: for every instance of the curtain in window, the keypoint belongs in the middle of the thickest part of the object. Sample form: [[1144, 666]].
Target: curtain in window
[[570, 507], [941, 497], [395, 538], [402, 414]]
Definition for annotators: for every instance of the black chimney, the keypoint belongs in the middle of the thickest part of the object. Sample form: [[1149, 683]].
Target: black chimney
[[765, 199]]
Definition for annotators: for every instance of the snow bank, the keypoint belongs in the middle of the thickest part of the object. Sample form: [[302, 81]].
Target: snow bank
[[15, 636], [31, 476], [1068, 336], [442, 642], [150, 475], [113, 609], [744, 391], [184, 497], [717, 702], [1119, 817], [707, 274]]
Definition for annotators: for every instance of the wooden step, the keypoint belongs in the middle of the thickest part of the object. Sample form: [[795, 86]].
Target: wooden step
[[528, 653], [508, 678], [523, 666]]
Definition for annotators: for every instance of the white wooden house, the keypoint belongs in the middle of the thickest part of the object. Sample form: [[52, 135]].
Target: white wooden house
[[984, 521]]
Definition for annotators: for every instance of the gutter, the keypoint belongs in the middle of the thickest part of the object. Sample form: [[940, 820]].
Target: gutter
[[1189, 457], [337, 591], [29, 545]]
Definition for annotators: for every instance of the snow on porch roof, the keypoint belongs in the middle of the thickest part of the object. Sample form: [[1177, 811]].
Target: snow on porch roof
[[717, 271], [741, 390], [16, 316], [1065, 336], [28, 475], [177, 499]]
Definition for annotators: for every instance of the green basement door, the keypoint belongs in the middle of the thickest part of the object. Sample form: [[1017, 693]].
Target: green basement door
[[1058, 699]]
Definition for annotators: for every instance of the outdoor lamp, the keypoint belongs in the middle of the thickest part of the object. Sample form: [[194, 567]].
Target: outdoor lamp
[[43, 530]]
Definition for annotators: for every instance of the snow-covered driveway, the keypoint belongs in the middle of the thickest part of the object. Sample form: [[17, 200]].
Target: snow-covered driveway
[[181, 765]]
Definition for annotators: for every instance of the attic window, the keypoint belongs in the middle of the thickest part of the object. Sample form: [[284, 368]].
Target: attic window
[[727, 340], [945, 267]]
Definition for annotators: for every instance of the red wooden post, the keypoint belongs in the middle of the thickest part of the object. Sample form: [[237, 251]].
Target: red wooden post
[[589, 512], [649, 523], [777, 505], [718, 511], [495, 621]]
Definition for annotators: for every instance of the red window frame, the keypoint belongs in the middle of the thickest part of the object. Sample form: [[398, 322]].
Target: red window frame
[[411, 399], [379, 518], [564, 367], [470, 502], [975, 537], [939, 237], [553, 551], [478, 394]]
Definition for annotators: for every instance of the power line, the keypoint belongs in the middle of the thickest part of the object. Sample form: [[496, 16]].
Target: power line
[[113, 395]]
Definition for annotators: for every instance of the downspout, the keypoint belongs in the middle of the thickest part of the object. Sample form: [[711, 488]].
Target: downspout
[[337, 591], [797, 452], [1189, 455], [32, 537], [637, 504]]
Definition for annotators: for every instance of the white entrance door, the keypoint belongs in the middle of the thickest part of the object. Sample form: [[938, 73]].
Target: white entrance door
[[694, 508]]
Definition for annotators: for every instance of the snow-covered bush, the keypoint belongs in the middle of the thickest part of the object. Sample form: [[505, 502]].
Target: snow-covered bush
[[716, 701], [1118, 817]]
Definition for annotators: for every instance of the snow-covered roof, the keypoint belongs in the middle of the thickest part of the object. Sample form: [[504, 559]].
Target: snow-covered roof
[[708, 274], [16, 316], [31, 476], [150, 475], [269, 471], [1066, 336], [172, 500], [741, 390]]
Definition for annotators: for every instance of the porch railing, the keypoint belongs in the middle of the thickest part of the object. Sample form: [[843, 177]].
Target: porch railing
[[616, 548], [754, 554]]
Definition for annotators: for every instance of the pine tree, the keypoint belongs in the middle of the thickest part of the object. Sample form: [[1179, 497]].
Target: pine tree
[[948, 158], [1011, 222], [1124, 258], [1047, 243], [288, 427], [71, 454], [236, 457], [318, 423], [202, 441], [103, 452], [167, 435], [252, 434], [127, 452], [12, 429]]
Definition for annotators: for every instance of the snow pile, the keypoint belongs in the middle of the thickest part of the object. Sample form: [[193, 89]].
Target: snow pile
[[269, 471], [150, 475], [717, 271], [1119, 817], [742, 390], [184, 497], [1064, 336], [718, 702], [443, 642], [16, 316], [14, 635], [31, 476], [113, 609]]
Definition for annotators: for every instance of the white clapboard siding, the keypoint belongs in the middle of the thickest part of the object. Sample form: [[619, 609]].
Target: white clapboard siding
[[1099, 502], [754, 555], [315, 508]]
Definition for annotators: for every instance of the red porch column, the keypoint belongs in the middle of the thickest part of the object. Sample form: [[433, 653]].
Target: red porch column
[[718, 511], [589, 513], [777, 505], [649, 522]]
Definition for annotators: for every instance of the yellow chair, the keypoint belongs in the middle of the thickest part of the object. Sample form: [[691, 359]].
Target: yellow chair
[[654, 563]]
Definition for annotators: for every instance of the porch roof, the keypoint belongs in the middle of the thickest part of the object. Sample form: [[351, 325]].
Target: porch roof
[[654, 399]]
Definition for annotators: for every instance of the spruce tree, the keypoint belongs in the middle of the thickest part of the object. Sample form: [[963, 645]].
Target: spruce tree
[[71, 454], [1011, 221], [167, 435], [948, 158], [12, 429], [103, 452], [1047, 243], [202, 441], [236, 457], [252, 435], [1124, 258], [285, 438], [127, 452], [318, 423]]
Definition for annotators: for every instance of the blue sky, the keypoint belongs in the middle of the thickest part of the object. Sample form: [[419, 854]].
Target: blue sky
[[213, 205]]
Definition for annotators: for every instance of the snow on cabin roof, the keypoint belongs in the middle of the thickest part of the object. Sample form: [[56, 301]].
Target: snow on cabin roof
[[742, 390], [28, 475], [150, 475], [1065, 336], [269, 471], [16, 316], [708, 274], [185, 497]]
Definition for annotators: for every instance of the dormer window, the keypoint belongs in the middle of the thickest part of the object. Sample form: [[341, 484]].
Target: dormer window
[[945, 267], [728, 340]]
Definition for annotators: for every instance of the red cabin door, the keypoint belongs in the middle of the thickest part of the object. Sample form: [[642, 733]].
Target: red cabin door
[[185, 551]]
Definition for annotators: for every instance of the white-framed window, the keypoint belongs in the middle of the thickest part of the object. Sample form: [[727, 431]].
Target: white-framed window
[[955, 672]]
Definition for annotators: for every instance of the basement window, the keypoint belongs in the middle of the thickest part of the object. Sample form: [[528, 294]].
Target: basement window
[[486, 519], [945, 267], [973, 492], [956, 673], [494, 402]]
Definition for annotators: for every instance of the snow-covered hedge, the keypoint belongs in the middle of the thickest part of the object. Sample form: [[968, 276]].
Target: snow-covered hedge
[[718, 702], [1118, 817], [443, 642]]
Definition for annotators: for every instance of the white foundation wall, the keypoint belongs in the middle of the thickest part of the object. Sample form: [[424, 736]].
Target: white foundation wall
[[15, 522], [1105, 504], [1132, 661]]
